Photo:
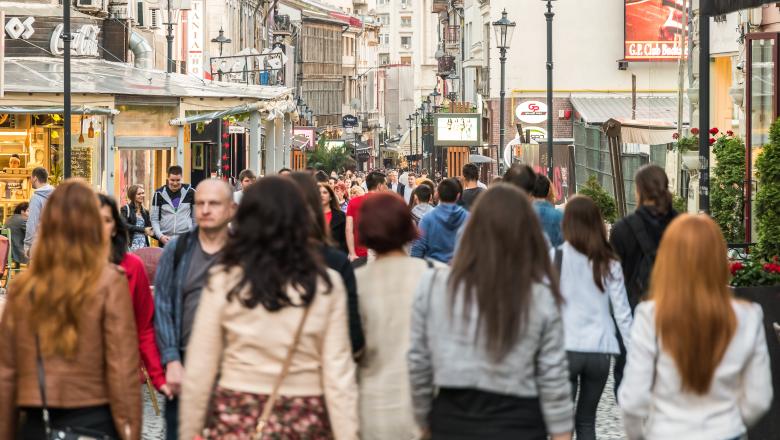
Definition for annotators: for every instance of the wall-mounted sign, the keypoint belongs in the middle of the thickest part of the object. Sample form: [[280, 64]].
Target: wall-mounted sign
[[84, 43], [653, 30], [195, 39], [308, 133], [236, 129], [349, 121], [531, 112], [457, 129], [16, 28]]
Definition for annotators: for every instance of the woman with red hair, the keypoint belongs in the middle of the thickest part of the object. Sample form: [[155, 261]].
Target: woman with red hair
[[386, 288]]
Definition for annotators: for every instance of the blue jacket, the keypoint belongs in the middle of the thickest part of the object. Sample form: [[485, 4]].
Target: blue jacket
[[438, 232], [551, 220], [168, 298]]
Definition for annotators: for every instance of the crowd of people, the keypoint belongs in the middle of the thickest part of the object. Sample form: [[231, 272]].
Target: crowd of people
[[376, 306]]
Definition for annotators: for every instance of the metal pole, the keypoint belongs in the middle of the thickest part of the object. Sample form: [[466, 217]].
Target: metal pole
[[502, 94], [169, 37], [416, 144], [704, 113], [66, 39], [550, 136]]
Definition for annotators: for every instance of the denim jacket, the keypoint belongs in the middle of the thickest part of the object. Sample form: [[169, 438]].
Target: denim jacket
[[168, 299], [551, 220]]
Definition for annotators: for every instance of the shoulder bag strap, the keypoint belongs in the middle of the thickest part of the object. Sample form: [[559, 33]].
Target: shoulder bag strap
[[42, 382], [269, 404], [638, 228]]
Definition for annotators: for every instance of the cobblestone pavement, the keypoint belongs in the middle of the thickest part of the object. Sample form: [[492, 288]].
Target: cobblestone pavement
[[609, 425]]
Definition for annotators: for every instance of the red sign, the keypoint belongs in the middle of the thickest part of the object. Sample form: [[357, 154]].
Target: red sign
[[654, 30]]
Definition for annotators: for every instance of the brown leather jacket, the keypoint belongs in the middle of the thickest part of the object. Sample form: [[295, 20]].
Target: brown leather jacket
[[103, 371]]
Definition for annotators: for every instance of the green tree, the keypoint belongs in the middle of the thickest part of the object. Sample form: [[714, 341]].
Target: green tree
[[726, 193], [768, 196], [601, 197], [330, 159]]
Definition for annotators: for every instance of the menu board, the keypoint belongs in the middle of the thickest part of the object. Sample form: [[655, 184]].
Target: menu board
[[81, 163]]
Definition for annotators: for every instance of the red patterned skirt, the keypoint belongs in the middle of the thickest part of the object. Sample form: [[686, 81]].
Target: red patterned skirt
[[233, 415]]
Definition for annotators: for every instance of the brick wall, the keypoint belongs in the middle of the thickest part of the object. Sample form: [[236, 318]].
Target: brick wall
[[562, 128]]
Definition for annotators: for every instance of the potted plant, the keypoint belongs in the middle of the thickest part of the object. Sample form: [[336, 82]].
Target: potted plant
[[601, 198], [757, 278], [726, 187], [688, 147]]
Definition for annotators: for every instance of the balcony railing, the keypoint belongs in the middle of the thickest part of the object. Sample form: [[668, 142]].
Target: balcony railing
[[452, 36]]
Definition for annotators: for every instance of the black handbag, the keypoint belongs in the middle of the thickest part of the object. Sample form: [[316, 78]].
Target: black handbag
[[68, 433]]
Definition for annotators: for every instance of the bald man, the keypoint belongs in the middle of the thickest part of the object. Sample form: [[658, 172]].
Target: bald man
[[182, 274]]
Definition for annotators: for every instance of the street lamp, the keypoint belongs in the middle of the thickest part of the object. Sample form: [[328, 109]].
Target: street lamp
[[221, 39], [504, 30], [549, 16], [416, 135], [171, 19], [410, 119]]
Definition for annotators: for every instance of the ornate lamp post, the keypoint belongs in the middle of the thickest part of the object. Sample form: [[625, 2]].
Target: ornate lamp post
[[549, 16], [504, 30], [410, 118], [221, 40]]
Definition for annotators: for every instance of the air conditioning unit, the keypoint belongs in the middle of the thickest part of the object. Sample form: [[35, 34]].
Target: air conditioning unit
[[90, 5]]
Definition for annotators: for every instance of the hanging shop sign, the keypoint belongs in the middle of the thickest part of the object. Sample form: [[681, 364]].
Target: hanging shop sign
[[195, 39], [457, 129], [653, 30], [531, 112], [308, 133], [349, 121]]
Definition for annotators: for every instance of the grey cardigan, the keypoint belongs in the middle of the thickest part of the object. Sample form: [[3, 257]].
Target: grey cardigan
[[443, 353]]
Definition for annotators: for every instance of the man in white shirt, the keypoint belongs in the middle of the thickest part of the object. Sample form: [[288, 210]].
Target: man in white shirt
[[393, 184], [409, 188]]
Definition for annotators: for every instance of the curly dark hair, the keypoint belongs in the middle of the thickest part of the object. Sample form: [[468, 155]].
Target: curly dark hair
[[271, 243], [120, 241]]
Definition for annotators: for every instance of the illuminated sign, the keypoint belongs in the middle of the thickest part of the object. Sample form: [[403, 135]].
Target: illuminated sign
[[653, 30], [195, 39], [457, 129], [531, 112], [307, 133]]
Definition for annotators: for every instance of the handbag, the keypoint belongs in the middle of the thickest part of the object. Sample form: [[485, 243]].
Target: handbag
[[269, 404], [68, 433]]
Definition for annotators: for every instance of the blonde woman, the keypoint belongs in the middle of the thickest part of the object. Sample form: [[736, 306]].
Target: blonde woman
[[698, 361]]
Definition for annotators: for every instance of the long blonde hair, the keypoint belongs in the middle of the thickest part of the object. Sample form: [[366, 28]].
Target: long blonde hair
[[694, 317], [68, 258]]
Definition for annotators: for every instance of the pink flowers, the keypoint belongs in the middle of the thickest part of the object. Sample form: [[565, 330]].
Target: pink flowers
[[714, 131]]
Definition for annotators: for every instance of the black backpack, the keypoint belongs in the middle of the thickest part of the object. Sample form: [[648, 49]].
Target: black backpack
[[638, 284]]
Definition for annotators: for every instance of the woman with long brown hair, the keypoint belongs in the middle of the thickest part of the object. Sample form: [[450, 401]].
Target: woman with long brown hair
[[137, 218], [591, 285], [698, 366], [70, 319], [335, 218], [488, 334]]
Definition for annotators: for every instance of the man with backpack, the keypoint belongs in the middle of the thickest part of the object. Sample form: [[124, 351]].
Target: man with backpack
[[635, 239], [172, 213], [182, 273]]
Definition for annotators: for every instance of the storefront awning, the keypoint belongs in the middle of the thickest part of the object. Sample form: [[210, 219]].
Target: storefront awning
[[661, 109], [646, 133], [45, 75], [273, 108], [80, 110]]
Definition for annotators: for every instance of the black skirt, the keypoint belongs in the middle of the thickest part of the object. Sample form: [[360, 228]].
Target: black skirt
[[469, 414]]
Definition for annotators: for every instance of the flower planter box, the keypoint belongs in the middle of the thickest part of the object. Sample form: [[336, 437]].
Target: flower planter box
[[690, 160], [768, 297]]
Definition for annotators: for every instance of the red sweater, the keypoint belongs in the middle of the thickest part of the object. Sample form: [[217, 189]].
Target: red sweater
[[143, 305]]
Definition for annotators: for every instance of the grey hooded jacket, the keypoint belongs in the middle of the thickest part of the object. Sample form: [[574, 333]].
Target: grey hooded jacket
[[170, 221], [37, 203]]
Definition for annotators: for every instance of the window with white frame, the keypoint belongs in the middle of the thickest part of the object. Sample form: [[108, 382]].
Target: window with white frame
[[384, 19], [406, 21], [406, 42]]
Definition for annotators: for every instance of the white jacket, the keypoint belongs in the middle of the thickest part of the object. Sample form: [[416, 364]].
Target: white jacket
[[587, 320], [741, 390]]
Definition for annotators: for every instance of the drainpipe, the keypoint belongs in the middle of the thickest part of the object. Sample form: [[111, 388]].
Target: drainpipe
[[142, 51]]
